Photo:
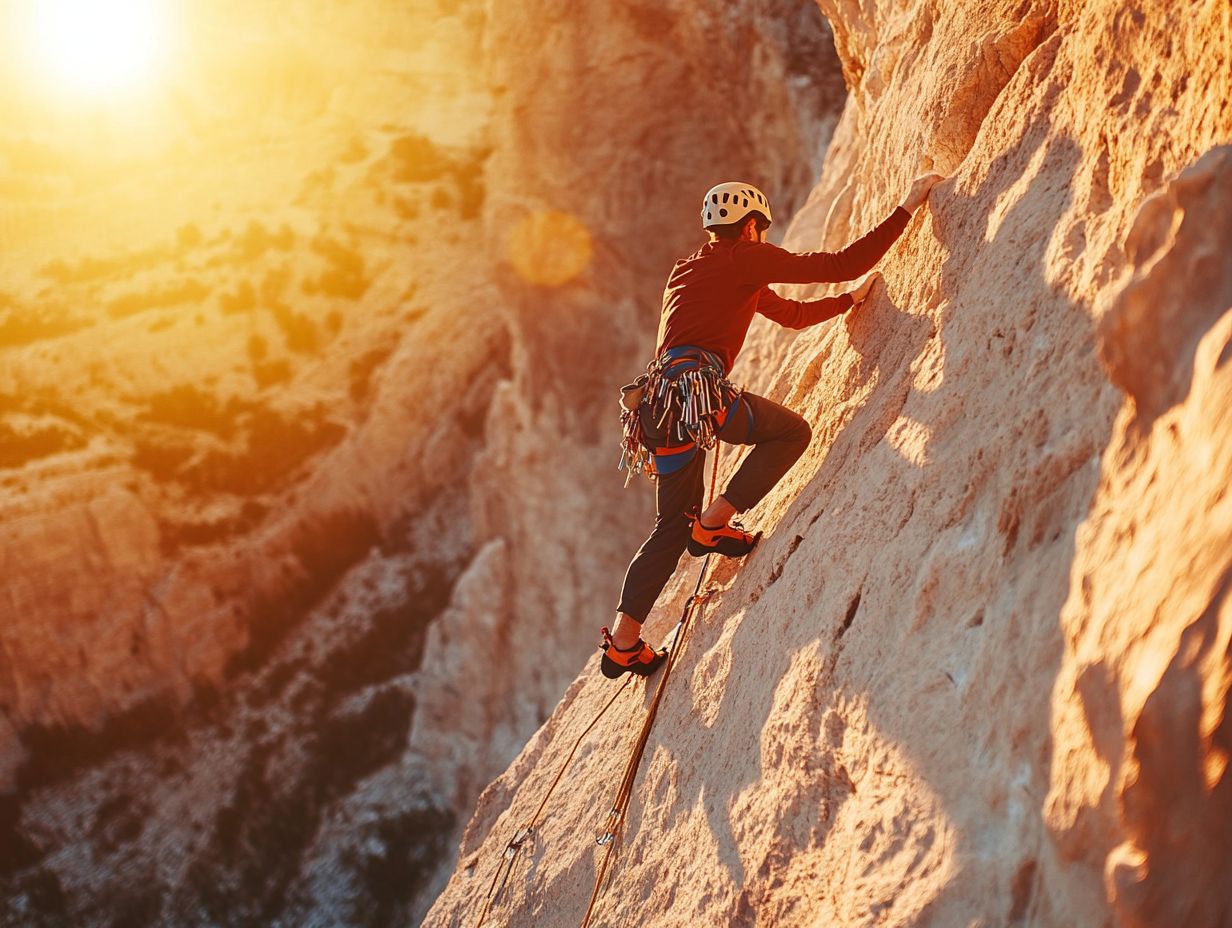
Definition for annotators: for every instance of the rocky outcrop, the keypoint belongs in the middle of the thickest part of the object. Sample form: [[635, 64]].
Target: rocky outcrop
[[285, 473], [977, 672], [1139, 789]]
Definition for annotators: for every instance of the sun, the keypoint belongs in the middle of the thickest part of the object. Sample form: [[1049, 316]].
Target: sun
[[98, 47]]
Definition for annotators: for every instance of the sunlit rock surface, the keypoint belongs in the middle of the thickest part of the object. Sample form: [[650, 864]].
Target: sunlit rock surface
[[308, 500], [977, 672]]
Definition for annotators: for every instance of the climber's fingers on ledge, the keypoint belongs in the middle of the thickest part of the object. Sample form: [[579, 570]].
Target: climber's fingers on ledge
[[920, 189], [861, 293]]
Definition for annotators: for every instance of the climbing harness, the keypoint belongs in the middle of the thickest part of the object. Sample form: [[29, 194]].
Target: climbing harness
[[677, 406]]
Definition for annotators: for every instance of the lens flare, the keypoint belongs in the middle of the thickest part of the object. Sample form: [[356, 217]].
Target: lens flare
[[98, 47], [550, 248]]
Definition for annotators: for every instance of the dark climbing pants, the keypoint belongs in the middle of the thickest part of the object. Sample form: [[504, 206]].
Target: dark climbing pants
[[779, 437]]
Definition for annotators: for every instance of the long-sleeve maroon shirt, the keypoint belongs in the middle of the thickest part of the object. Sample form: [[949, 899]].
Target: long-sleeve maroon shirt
[[712, 294]]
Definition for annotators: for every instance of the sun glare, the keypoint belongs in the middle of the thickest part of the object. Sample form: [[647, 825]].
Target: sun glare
[[98, 47]]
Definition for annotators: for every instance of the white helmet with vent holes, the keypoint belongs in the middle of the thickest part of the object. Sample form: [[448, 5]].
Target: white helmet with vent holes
[[732, 202]]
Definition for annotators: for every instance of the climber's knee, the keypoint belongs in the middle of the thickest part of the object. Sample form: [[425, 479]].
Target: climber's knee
[[798, 433]]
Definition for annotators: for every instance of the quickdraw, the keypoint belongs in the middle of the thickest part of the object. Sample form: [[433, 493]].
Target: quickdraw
[[523, 838], [686, 395]]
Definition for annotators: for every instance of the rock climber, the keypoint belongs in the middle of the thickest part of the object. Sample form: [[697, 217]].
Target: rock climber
[[684, 403]]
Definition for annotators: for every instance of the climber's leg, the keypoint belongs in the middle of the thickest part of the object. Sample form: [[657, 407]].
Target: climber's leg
[[676, 495], [778, 435]]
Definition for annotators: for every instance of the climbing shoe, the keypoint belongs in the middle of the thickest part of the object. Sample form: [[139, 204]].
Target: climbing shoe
[[640, 659], [730, 540]]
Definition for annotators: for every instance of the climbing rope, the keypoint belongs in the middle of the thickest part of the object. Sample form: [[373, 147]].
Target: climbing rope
[[611, 833], [524, 835], [609, 837], [526, 832]]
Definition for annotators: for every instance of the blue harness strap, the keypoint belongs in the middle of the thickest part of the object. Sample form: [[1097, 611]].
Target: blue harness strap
[[694, 353], [670, 459]]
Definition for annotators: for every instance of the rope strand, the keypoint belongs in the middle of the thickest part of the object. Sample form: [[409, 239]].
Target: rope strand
[[615, 818], [612, 834], [527, 831], [614, 822]]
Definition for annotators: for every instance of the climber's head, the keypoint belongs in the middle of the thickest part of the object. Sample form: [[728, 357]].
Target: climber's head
[[736, 211]]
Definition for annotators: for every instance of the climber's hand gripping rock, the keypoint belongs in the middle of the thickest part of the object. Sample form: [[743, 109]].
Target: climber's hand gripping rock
[[860, 293], [919, 191]]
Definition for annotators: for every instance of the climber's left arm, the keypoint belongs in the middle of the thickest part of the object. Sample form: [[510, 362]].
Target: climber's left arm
[[800, 314]]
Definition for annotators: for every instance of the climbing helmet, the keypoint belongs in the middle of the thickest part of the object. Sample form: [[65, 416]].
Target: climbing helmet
[[731, 202]]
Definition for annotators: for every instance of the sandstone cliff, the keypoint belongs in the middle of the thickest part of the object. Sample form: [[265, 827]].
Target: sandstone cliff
[[302, 421], [977, 672]]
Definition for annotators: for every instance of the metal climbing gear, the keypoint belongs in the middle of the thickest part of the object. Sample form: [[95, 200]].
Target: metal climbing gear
[[683, 401]]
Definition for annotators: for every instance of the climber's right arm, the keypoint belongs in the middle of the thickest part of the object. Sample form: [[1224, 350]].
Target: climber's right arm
[[800, 314], [764, 263]]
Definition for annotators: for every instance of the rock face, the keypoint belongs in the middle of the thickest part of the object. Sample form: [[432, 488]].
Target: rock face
[[289, 476], [978, 670]]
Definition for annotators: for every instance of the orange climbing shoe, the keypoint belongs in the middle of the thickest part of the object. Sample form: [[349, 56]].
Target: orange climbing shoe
[[730, 540], [640, 659]]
